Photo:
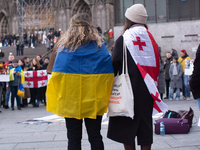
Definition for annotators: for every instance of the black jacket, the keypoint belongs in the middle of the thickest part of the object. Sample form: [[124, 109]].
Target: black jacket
[[195, 78], [166, 67]]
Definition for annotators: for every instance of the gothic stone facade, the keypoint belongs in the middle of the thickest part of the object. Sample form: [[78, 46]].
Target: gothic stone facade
[[101, 12]]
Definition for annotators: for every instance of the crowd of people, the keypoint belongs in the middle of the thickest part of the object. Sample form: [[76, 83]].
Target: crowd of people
[[16, 68], [82, 76], [172, 78]]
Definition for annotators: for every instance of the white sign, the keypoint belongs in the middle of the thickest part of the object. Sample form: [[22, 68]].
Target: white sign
[[189, 66], [4, 78], [194, 49]]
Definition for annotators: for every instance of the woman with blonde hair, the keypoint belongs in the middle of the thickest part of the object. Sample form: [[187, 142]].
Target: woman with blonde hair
[[81, 82]]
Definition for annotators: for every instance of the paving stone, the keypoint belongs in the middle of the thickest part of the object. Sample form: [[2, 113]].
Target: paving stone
[[7, 146], [53, 136], [22, 139], [42, 145]]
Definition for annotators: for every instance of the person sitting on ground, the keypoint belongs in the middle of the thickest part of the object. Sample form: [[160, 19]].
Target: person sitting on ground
[[1, 54]]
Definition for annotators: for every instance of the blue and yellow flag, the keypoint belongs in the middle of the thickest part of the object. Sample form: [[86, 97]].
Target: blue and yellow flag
[[81, 82], [19, 70]]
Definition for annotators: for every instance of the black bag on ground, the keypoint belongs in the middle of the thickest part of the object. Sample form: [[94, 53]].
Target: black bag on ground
[[172, 114]]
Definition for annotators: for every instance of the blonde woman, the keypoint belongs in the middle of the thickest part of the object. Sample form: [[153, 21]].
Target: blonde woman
[[81, 82]]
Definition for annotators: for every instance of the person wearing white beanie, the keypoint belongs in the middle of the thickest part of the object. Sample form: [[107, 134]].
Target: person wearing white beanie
[[138, 40], [137, 13]]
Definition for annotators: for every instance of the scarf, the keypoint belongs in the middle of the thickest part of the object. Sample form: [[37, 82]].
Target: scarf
[[144, 51]]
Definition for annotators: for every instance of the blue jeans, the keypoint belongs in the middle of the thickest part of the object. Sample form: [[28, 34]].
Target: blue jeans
[[186, 88], [198, 102], [6, 43], [171, 94], [7, 97], [13, 95]]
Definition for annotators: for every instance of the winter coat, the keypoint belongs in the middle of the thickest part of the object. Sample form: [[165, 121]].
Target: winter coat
[[174, 53], [182, 62], [166, 67], [124, 129], [195, 78], [176, 80], [161, 79]]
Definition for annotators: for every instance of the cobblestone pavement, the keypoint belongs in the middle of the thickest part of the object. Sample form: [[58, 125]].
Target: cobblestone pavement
[[53, 136]]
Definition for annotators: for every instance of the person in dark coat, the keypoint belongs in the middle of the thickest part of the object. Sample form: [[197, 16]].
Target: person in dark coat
[[22, 48], [39, 58], [174, 52], [2, 40], [44, 67], [36, 93], [175, 73], [167, 63], [10, 40], [195, 78], [161, 79], [18, 48], [125, 129]]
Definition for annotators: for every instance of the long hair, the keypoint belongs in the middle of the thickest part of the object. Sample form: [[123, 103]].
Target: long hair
[[79, 32], [128, 24], [38, 64]]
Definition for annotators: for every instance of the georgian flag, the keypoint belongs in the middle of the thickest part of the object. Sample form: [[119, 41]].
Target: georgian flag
[[144, 51], [35, 79]]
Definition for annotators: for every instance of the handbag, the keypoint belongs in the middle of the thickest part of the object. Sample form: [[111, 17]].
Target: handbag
[[20, 91], [173, 126], [121, 99], [187, 115]]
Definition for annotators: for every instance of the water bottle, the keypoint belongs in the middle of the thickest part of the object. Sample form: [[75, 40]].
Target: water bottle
[[162, 129]]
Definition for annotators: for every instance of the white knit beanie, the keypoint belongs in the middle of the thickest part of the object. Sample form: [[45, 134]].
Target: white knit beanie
[[137, 13]]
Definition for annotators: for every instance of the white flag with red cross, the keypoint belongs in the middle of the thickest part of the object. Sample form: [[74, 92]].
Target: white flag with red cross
[[35, 79], [144, 51]]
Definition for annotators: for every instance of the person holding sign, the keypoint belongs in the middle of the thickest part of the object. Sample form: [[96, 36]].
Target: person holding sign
[[186, 88]]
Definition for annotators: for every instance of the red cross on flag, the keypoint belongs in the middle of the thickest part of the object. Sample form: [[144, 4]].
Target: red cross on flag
[[144, 51], [35, 79]]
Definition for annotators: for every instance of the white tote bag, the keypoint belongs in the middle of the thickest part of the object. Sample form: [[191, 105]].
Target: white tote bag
[[121, 100]]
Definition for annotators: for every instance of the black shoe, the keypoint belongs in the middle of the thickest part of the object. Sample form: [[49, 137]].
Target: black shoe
[[22, 105], [19, 108], [6, 106], [166, 98], [37, 105], [13, 109]]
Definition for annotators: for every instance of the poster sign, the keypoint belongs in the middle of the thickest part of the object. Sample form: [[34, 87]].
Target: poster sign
[[194, 49], [189, 66]]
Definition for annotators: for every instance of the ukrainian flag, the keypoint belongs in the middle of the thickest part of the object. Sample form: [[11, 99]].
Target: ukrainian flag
[[18, 70], [81, 82]]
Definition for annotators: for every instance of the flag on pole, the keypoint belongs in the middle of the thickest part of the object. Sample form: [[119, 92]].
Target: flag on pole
[[35, 79], [144, 51]]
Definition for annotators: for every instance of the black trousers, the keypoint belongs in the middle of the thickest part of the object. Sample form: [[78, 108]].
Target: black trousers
[[74, 133], [167, 87]]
